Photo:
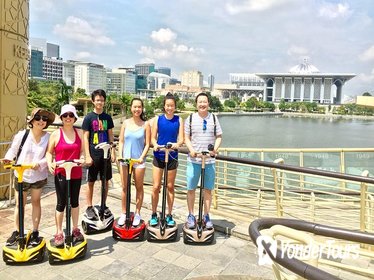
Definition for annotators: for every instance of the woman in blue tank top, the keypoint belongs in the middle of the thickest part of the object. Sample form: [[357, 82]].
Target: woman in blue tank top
[[167, 128], [134, 141]]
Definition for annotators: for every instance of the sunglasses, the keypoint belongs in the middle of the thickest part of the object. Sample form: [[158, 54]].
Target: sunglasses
[[70, 115], [204, 125], [39, 117]]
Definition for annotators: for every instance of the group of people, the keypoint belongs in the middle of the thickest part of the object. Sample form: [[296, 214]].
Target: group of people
[[137, 135]]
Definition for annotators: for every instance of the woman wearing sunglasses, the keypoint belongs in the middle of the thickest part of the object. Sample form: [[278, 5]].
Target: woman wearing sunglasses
[[66, 144], [32, 152], [200, 130]]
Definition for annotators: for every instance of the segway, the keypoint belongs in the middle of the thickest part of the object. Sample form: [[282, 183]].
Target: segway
[[21, 251], [161, 231], [200, 234], [102, 221], [128, 232], [71, 250]]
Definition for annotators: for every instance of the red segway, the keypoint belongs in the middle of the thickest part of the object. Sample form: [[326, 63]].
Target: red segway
[[128, 231], [163, 232], [200, 234]]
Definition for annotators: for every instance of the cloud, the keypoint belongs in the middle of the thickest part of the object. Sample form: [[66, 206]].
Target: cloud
[[83, 32], [333, 11], [163, 35], [297, 51], [367, 78], [368, 54], [166, 49], [234, 8], [82, 55]]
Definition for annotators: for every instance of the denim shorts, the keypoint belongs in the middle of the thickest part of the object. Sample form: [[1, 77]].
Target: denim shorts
[[193, 175]]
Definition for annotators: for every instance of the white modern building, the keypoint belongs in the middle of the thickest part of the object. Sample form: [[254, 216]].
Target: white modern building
[[52, 68], [192, 79], [120, 81], [304, 82], [157, 81], [68, 72], [89, 76]]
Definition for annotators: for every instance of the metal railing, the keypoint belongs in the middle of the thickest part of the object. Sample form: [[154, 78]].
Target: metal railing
[[316, 247], [250, 189]]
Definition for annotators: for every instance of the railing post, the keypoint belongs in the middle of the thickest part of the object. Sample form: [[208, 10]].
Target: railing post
[[278, 197], [363, 198], [301, 161], [259, 200], [342, 168], [312, 207], [262, 157]]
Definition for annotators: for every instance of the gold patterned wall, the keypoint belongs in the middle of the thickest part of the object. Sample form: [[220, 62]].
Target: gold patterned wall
[[14, 56]]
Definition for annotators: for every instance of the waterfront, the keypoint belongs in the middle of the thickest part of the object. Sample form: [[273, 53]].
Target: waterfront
[[295, 132]]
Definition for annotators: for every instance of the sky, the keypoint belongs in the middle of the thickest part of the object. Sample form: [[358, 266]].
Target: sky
[[214, 36]]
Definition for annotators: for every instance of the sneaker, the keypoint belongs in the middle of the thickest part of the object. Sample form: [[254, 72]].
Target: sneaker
[[59, 240], [136, 220], [208, 222], [154, 220], [122, 220], [90, 212], [34, 239], [77, 235], [13, 238], [191, 221], [107, 211], [169, 220]]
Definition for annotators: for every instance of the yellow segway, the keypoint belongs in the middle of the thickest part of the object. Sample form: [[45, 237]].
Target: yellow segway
[[21, 251], [71, 250]]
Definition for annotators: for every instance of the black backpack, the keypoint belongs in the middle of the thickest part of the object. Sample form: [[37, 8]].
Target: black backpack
[[214, 120]]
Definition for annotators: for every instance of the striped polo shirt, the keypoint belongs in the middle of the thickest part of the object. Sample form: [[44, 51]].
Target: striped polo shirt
[[201, 137]]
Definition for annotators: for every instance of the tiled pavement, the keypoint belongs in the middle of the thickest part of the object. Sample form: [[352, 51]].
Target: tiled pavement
[[229, 257]]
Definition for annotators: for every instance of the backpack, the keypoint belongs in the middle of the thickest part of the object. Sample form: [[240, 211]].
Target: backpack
[[214, 120]]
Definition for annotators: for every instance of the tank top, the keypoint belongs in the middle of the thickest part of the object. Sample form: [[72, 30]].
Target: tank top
[[134, 143], [68, 151], [167, 131]]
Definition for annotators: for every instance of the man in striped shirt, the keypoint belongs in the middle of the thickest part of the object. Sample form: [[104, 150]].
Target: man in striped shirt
[[201, 129]]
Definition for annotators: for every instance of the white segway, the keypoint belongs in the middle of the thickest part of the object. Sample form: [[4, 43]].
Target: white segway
[[101, 221], [200, 234], [163, 232]]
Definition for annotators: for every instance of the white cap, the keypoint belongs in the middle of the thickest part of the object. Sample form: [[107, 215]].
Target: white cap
[[69, 108]]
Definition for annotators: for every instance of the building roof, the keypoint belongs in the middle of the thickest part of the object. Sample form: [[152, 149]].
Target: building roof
[[304, 68]]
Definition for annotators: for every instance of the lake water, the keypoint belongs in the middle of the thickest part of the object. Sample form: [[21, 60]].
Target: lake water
[[295, 132]]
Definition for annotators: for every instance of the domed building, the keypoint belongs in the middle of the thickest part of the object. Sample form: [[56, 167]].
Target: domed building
[[304, 82]]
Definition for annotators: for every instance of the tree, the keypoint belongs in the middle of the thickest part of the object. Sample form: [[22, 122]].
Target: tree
[[215, 104], [366, 94], [252, 103], [282, 105], [229, 103]]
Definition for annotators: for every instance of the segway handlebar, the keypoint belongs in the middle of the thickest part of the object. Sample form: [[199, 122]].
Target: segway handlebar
[[68, 166], [105, 147], [20, 168], [206, 152], [129, 162], [164, 147]]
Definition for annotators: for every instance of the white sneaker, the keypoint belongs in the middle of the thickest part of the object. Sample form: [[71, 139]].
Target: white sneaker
[[136, 220], [122, 219]]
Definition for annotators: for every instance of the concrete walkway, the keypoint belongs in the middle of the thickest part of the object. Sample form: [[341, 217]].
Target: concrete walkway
[[229, 257]]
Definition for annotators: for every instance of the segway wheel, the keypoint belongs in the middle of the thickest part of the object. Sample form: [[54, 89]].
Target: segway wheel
[[86, 228], [51, 259], [40, 256], [185, 238], [5, 258]]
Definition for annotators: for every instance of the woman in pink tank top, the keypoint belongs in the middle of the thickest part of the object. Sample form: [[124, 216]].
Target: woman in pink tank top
[[66, 144]]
